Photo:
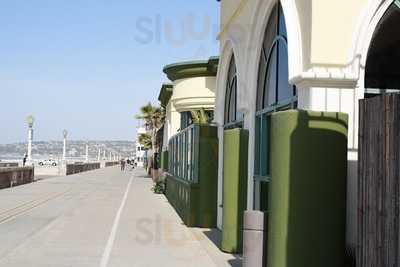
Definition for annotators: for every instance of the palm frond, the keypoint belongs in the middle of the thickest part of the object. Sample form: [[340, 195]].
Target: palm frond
[[200, 116], [145, 140], [204, 118], [195, 116]]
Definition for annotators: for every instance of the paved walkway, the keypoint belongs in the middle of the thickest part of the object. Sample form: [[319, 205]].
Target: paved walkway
[[99, 218]]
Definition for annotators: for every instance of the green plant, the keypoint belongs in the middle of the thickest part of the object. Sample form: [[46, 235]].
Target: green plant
[[154, 117], [159, 187], [145, 140], [200, 116]]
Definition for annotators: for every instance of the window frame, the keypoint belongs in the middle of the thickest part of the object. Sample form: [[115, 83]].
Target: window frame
[[264, 107], [232, 118]]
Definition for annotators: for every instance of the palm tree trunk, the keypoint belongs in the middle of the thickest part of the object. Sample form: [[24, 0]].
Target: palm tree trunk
[[154, 171]]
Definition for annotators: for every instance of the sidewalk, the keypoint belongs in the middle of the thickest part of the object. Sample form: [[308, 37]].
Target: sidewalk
[[101, 218], [152, 234]]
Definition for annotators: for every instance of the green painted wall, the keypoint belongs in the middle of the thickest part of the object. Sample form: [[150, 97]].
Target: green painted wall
[[164, 160], [196, 203], [235, 188], [308, 189]]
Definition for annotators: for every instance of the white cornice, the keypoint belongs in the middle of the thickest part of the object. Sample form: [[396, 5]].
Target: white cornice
[[326, 78], [185, 104]]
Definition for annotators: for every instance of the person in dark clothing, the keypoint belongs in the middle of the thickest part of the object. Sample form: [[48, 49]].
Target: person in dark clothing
[[133, 164], [24, 160], [122, 165]]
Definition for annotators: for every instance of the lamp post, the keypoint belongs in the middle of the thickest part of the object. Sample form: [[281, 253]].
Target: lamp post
[[30, 120], [65, 135], [87, 152]]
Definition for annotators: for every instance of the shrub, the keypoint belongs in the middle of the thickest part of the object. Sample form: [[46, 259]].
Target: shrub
[[159, 187]]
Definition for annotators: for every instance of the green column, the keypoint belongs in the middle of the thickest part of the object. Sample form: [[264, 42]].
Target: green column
[[308, 189], [235, 188], [208, 177], [164, 160]]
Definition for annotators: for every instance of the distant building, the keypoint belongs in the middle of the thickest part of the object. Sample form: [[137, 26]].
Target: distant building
[[141, 153]]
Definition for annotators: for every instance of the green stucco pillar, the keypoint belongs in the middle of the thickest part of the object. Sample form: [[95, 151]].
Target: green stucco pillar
[[234, 189], [164, 160], [308, 189]]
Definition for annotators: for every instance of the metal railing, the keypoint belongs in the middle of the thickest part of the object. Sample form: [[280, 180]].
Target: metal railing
[[183, 150]]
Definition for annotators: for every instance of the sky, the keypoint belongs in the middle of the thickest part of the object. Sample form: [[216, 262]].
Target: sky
[[88, 65]]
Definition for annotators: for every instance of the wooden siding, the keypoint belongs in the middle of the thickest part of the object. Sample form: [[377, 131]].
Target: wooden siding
[[378, 182]]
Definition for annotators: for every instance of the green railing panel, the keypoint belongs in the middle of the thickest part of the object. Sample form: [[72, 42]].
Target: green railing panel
[[193, 180], [307, 193], [183, 149], [234, 188]]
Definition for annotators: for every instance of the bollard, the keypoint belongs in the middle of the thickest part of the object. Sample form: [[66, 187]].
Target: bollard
[[254, 234]]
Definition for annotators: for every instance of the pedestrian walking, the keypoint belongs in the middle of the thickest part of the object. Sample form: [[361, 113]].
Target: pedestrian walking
[[122, 165], [132, 164], [24, 160]]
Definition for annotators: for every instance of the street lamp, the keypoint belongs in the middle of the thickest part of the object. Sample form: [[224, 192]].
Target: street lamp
[[87, 151], [30, 120], [65, 135]]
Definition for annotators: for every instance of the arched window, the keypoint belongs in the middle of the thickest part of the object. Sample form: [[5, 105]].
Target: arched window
[[231, 117], [273, 90], [274, 93], [382, 72]]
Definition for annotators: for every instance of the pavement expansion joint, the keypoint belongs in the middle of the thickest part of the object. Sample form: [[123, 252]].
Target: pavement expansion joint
[[8, 215]]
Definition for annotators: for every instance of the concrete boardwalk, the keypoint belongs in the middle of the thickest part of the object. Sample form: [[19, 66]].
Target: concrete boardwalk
[[99, 218]]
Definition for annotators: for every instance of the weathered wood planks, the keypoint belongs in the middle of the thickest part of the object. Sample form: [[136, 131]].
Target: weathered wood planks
[[378, 182]]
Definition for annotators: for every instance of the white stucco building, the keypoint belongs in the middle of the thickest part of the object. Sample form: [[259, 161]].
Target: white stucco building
[[141, 153], [323, 48], [192, 87]]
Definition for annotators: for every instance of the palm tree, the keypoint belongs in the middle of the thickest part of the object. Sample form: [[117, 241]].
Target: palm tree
[[145, 140], [154, 117]]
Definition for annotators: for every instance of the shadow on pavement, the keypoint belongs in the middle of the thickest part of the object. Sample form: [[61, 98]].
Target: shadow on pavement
[[215, 236]]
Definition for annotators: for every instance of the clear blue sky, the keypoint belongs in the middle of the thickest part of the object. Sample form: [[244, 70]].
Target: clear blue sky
[[88, 65]]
